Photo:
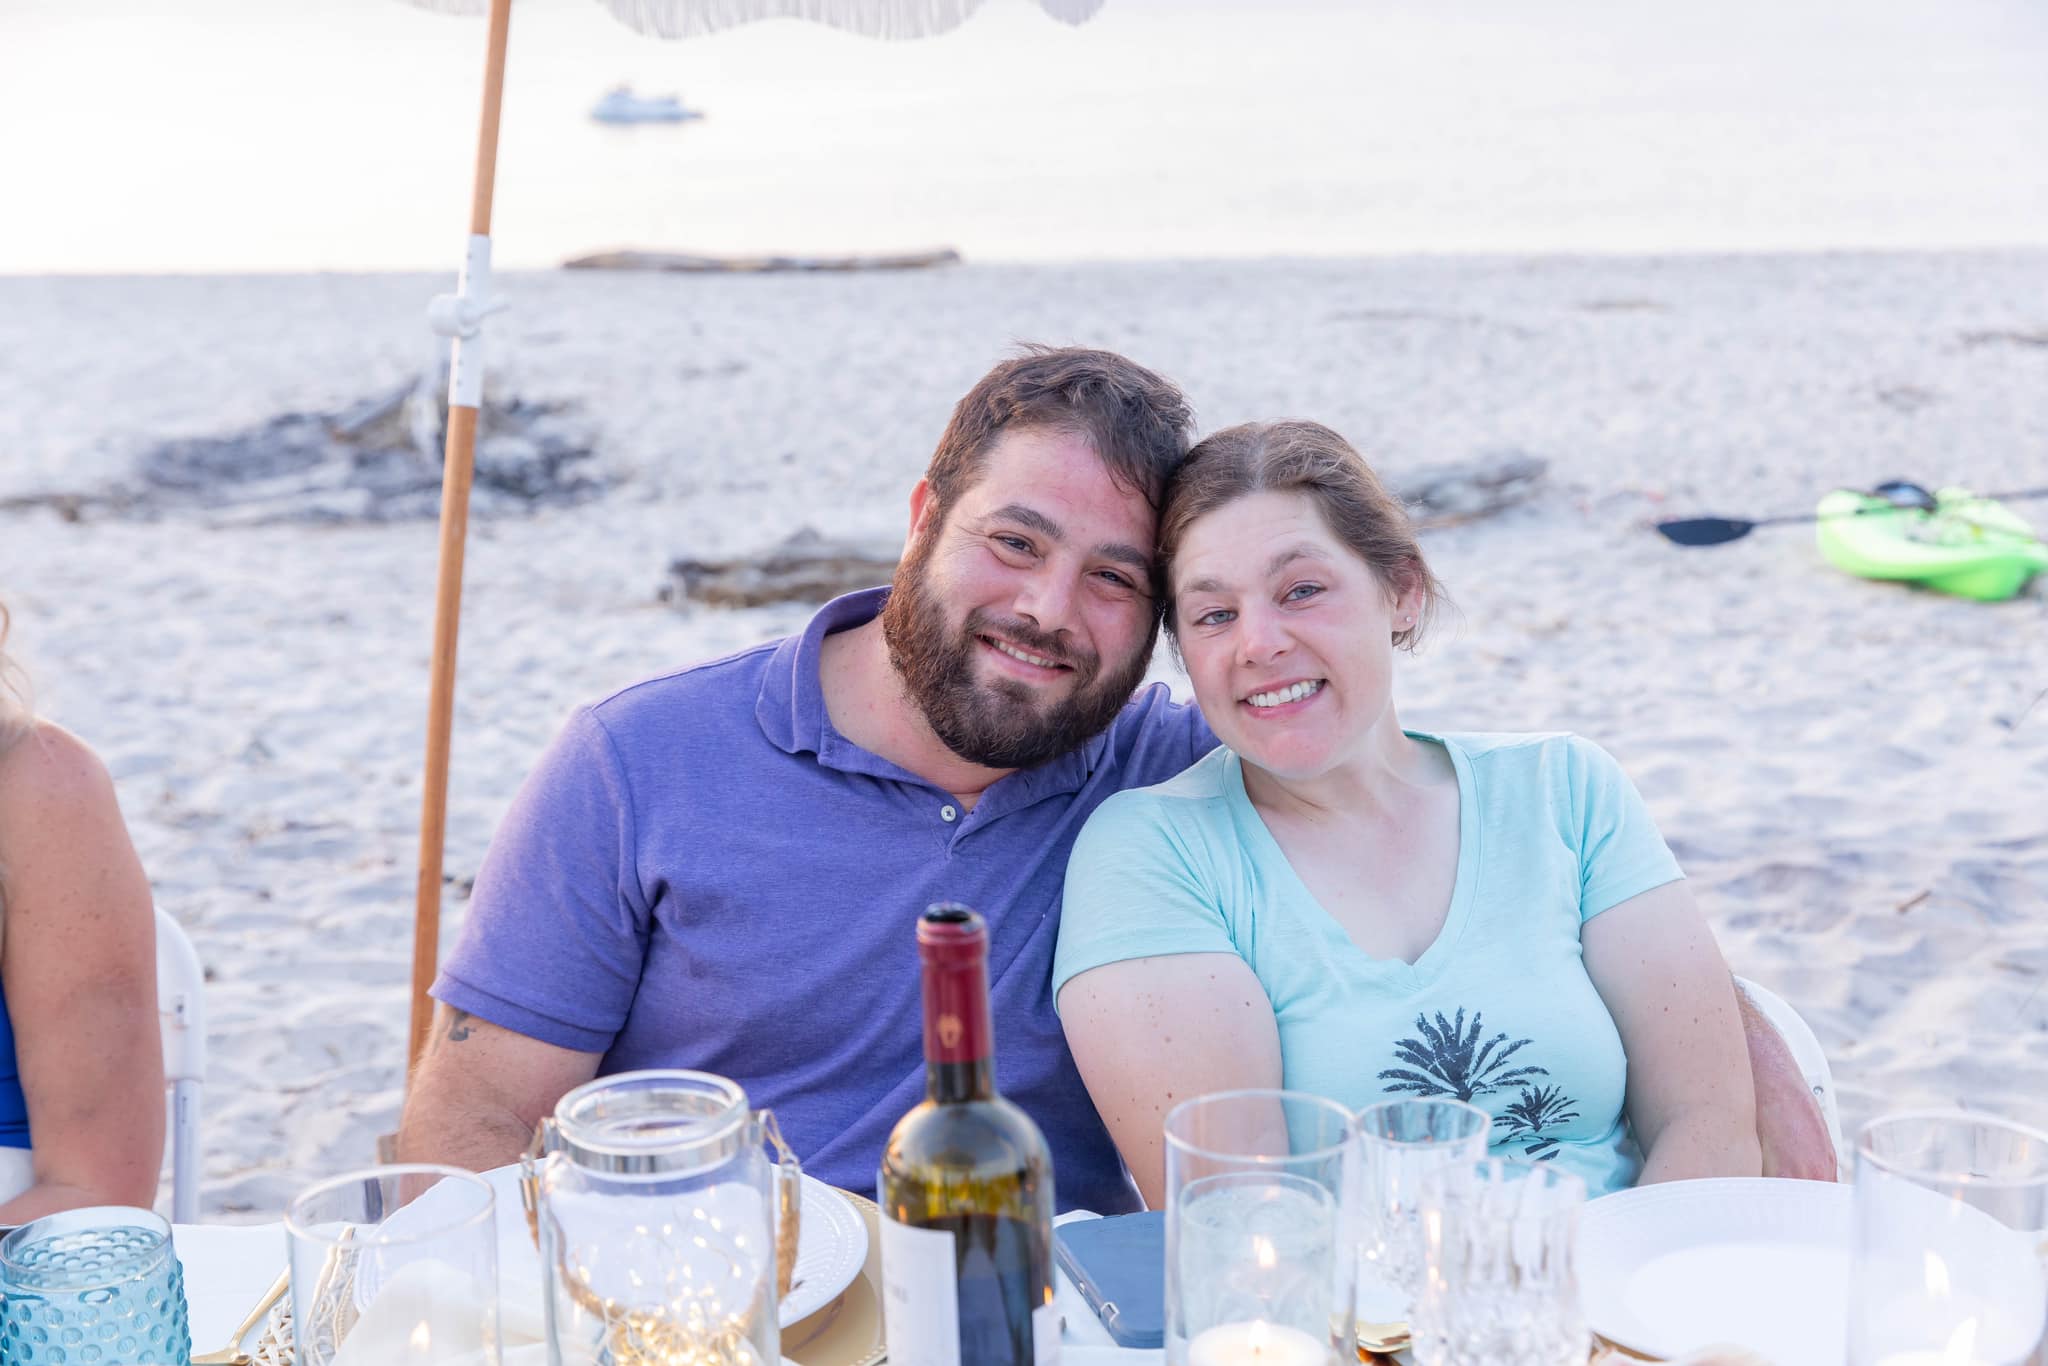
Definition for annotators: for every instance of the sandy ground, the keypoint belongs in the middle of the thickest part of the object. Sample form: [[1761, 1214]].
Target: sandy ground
[[1855, 775]]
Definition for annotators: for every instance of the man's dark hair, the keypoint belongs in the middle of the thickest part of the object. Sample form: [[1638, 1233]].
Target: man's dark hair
[[1137, 422]]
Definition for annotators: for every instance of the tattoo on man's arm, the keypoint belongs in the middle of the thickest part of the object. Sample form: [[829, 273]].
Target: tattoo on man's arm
[[458, 1027]]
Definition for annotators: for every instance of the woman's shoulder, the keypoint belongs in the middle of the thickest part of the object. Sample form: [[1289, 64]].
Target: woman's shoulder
[[48, 771], [1557, 752], [1202, 783]]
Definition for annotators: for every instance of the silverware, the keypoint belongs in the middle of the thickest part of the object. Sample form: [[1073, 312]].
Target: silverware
[[232, 1354]]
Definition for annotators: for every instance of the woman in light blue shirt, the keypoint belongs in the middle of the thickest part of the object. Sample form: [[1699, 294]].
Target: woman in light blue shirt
[[1334, 904]]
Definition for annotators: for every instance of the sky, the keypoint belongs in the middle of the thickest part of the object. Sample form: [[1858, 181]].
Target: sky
[[285, 135]]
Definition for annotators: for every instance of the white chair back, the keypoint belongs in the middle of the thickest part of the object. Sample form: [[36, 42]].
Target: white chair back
[[181, 1010]]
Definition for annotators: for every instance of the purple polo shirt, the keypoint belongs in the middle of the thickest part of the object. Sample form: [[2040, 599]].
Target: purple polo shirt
[[702, 872]]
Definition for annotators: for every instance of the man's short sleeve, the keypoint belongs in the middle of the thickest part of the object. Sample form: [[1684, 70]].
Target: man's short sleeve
[[1621, 852], [556, 933], [1133, 891]]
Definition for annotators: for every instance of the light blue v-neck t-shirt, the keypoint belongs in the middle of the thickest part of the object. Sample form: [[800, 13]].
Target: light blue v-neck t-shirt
[[1498, 1010]]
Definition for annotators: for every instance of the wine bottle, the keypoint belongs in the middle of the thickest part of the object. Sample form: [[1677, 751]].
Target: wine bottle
[[965, 1185]]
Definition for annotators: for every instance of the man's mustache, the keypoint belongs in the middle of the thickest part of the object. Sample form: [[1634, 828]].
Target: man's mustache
[[1038, 642]]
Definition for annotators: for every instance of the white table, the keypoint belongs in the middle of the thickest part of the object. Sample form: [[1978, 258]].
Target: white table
[[228, 1267]]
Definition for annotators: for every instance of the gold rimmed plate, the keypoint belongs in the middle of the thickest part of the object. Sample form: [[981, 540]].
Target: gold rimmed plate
[[848, 1331]]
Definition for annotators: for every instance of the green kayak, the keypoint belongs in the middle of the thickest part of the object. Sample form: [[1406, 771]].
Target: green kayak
[[1967, 545]]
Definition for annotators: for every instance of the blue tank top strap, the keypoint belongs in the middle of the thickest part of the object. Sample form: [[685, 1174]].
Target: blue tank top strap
[[13, 1106]]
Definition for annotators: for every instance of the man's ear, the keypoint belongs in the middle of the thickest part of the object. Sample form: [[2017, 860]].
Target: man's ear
[[923, 506]]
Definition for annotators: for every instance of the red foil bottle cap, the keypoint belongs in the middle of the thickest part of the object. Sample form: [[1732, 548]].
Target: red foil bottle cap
[[950, 934], [952, 943]]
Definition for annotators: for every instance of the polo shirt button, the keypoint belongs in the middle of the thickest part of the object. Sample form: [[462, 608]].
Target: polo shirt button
[[948, 812]]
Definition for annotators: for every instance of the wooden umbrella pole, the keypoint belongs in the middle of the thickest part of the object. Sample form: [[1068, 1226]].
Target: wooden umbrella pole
[[458, 468]]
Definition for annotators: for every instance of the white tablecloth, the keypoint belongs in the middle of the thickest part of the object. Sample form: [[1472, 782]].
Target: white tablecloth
[[227, 1269]]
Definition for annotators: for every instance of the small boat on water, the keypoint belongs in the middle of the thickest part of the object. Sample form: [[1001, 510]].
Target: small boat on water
[[621, 105]]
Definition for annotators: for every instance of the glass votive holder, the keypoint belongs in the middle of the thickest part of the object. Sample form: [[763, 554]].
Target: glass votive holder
[[100, 1284], [395, 1266], [1951, 1210], [1258, 1251], [1402, 1145], [1499, 1287]]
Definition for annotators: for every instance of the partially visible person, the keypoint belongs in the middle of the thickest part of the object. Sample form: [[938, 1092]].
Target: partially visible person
[[81, 1062], [1334, 904]]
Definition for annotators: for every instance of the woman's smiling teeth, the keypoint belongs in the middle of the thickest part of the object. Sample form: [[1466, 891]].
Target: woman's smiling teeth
[[1037, 661], [1293, 692]]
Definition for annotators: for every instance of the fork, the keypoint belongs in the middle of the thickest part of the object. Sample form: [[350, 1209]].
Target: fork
[[232, 1354]]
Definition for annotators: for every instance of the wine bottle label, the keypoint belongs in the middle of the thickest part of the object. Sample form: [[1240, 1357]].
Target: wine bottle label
[[920, 1299]]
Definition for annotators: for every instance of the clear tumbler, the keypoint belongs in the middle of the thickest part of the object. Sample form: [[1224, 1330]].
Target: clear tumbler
[[1951, 1214], [1258, 1246]]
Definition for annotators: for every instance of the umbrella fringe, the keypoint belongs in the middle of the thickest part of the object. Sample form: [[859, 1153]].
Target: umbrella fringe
[[870, 18]]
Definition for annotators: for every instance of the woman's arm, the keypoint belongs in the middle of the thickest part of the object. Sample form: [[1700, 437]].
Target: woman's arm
[[78, 961], [1149, 1033], [1690, 1098]]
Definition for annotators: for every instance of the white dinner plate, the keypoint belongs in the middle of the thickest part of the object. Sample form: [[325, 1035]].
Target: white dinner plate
[[1668, 1269]]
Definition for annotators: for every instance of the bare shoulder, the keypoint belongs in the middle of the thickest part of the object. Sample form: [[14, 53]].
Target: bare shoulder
[[61, 834], [50, 764]]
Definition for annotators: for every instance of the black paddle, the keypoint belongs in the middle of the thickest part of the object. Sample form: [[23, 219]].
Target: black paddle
[[1897, 493]]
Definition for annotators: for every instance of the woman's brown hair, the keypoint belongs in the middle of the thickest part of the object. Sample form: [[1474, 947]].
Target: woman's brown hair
[[1296, 456]]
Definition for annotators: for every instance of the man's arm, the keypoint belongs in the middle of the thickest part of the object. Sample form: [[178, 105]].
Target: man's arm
[[481, 1090], [1789, 1124]]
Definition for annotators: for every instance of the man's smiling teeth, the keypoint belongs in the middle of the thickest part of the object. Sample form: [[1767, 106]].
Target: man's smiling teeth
[[1015, 653], [1292, 693]]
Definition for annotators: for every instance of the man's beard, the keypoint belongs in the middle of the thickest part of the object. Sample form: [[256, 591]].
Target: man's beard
[[1001, 723]]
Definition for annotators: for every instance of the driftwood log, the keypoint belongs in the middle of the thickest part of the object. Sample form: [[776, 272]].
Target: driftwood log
[[808, 567], [744, 265], [1445, 495], [805, 568], [375, 460]]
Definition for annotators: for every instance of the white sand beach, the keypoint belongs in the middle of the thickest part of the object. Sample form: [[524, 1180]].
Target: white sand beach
[[1855, 775]]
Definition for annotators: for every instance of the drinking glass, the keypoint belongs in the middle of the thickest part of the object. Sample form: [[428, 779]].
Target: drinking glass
[[1498, 1286], [1402, 1145], [1258, 1249], [395, 1266], [1951, 1213], [100, 1284]]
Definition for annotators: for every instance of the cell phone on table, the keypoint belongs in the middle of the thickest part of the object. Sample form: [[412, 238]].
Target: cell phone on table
[[1119, 1266]]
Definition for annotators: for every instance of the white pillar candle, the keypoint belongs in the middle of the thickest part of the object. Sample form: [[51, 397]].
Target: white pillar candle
[[1257, 1343]]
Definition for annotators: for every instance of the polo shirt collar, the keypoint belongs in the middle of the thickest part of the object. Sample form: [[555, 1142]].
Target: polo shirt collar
[[792, 715]]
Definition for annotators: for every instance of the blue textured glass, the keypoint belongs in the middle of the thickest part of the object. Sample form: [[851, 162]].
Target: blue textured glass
[[93, 1287]]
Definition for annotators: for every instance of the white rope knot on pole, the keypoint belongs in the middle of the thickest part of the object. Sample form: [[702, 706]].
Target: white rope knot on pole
[[460, 318]]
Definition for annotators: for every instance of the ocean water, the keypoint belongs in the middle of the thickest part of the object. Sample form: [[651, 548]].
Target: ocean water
[[240, 135]]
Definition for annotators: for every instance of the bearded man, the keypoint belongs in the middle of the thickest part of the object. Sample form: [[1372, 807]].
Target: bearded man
[[722, 868]]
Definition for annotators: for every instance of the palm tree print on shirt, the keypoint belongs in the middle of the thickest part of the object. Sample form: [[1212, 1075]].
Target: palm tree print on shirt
[[1448, 1059], [1536, 1109]]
